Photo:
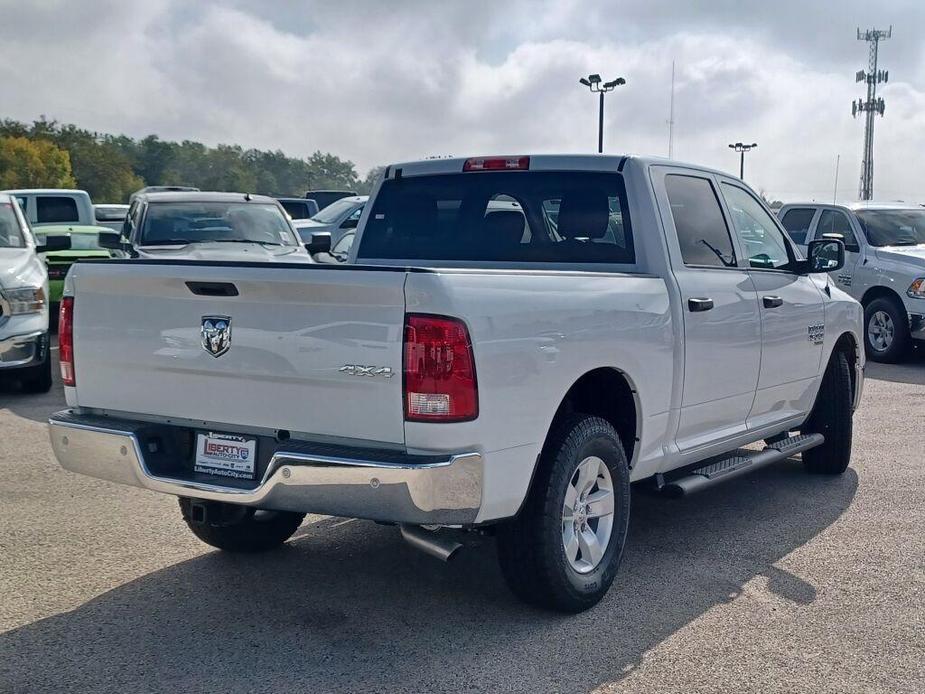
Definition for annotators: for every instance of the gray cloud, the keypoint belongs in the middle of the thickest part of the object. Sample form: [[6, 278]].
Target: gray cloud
[[378, 82]]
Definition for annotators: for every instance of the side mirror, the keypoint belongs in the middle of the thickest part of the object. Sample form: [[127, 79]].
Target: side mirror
[[54, 243], [319, 242], [825, 255], [110, 239]]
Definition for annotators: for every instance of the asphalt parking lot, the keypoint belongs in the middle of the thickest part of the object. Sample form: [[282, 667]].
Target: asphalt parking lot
[[775, 582]]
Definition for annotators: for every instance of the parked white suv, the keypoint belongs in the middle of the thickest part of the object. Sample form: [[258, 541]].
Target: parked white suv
[[512, 342], [884, 265]]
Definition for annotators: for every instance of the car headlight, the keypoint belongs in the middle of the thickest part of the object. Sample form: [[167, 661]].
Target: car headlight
[[917, 289], [25, 299]]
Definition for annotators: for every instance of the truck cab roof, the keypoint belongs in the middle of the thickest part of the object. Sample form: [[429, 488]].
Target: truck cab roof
[[540, 162]]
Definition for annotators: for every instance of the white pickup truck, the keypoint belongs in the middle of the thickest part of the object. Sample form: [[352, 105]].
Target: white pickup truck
[[884, 265], [474, 365]]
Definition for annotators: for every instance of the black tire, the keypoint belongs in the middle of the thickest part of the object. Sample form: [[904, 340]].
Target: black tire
[[831, 417], [902, 340], [236, 528], [531, 548], [37, 379]]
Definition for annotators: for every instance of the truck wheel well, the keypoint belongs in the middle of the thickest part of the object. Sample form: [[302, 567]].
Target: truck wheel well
[[882, 293], [606, 393]]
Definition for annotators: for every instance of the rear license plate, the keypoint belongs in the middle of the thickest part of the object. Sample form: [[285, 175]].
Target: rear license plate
[[226, 455]]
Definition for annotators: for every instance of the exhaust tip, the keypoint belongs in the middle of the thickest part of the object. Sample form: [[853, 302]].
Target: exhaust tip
[[430, 542]]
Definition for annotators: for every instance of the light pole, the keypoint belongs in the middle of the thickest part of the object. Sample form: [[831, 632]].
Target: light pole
[[742, 149], [593, 82]]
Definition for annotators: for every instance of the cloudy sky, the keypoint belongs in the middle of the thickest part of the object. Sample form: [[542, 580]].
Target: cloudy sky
[[376, 82]]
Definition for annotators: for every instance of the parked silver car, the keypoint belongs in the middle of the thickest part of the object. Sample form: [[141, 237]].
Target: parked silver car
[[337, 218], [884, 265]]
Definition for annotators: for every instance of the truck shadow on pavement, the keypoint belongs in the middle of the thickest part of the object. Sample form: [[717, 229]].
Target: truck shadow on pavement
[[347, 606]]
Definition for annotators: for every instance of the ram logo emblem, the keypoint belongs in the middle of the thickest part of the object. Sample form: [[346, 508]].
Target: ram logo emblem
[[216, 334], [372, 371]]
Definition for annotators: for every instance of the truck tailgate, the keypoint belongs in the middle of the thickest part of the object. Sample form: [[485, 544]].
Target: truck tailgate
[[138, 345]]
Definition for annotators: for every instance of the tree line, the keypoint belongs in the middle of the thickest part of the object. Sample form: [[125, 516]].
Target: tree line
[[49, 154]]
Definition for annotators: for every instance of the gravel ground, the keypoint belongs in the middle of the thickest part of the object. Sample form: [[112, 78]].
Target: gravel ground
[[775, 582]]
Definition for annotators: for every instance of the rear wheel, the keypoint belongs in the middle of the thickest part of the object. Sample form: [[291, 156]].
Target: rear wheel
[[564, 548], [886, 330], [235, 528], [831, 417]]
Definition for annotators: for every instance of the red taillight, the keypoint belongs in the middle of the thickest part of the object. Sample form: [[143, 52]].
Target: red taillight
[[497, 164], [66, 340], [439, 370]]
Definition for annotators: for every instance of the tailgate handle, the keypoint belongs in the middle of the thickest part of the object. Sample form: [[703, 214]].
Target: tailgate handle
[[212, 288]]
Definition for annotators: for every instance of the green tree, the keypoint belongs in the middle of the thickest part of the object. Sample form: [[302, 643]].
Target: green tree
[[373, 178], [111, 167], [26, 163], [328, 171]]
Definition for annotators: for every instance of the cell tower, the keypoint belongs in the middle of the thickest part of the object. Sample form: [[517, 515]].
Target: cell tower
[[870, 106]]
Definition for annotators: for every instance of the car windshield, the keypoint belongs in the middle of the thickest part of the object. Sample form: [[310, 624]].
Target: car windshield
[[174, 223], [10, 232], [893, 227], [334, 211]]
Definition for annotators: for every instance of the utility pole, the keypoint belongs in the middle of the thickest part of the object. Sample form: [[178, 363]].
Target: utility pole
[[870, 106], [742, 149], [593, 82], [671, 116], [835, 191]]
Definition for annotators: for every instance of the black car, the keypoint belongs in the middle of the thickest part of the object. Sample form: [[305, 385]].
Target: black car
[[299, 208], [326, 197]]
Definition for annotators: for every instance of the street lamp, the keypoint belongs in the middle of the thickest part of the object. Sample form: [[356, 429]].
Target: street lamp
[[594, 83], [742, 149]]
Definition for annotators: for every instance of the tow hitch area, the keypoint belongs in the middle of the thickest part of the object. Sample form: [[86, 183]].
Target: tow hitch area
[[215, 513]]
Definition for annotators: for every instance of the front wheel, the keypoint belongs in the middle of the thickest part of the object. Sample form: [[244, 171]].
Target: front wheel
[[886, 331], [564, 548], [235, 528], [831, 417]]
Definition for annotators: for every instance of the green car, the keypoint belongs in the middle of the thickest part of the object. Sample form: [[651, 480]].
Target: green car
[[84, 244]]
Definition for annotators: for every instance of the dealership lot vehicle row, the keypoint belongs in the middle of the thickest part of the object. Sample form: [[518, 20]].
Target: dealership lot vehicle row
[[780, 578]]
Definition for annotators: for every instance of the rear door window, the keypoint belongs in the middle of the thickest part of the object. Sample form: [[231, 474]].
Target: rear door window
[[51, 209], [797, 222], [534, 216], [699, 223]]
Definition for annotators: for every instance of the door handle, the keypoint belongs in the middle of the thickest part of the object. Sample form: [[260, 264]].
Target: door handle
[[700, 304], [772, 301]]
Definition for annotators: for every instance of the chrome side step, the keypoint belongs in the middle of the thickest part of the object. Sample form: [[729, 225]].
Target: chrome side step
[[717, 470]]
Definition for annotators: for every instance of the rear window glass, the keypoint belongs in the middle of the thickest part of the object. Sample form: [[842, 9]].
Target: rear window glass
[[536, 216], [174, 223], [296, 210], [51, 209]]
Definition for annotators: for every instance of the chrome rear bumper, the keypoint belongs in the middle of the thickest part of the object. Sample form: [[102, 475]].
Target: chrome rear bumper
[[446, 491]]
